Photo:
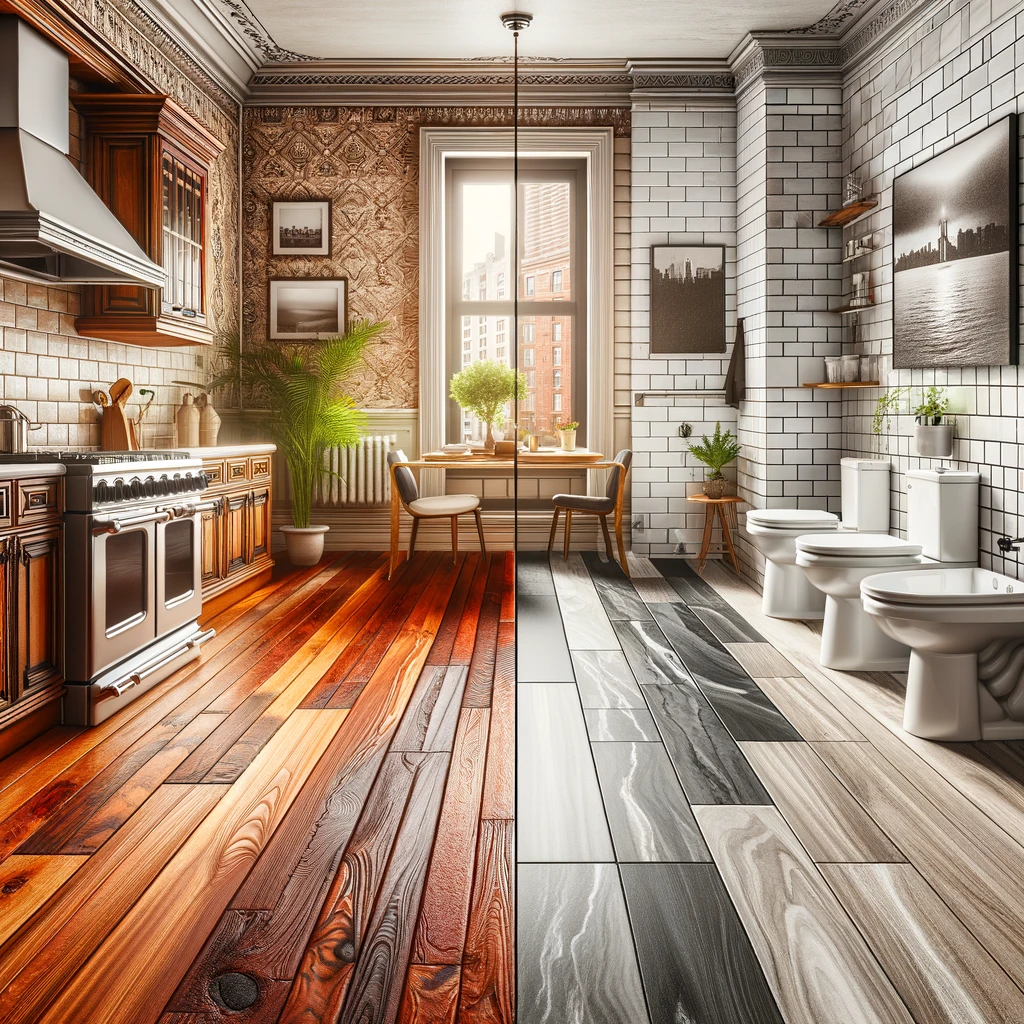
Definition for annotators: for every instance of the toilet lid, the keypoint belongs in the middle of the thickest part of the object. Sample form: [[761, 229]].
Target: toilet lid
[[857, 545], [793, 518]]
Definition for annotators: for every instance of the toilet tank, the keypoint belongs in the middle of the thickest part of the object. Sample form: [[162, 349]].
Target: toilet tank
[[865, 490], [942, 514]]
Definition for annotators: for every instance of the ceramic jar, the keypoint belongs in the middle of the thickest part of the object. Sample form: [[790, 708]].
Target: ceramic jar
[[187, 421]]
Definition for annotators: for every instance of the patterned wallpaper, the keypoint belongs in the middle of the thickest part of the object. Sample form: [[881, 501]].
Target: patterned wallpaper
[[366, 161]]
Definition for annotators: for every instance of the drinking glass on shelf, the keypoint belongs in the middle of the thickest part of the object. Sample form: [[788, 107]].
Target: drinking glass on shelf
[[869, 367], [833, 369], [850, 368]]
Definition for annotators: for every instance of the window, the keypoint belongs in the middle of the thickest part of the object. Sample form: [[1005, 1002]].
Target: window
[[556, 379], [467, 345], [466, 286], [552, 230], [531, 378], [556, 402]]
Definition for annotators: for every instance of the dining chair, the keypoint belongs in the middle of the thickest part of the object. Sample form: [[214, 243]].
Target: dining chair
[[443, 506], [597, 505]]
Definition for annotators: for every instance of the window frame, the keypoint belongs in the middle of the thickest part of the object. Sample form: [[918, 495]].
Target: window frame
[[574, 307]]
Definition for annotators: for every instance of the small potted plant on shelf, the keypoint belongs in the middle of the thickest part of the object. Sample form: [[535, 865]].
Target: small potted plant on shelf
[[302, 387], [886, 407], [567, 435], [715, 452], [485, 389], [933, 435]]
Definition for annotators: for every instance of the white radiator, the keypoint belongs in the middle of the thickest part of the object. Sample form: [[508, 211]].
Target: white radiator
[[357, 475]]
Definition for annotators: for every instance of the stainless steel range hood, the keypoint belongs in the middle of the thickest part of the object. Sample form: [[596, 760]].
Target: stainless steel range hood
[[53, 227]]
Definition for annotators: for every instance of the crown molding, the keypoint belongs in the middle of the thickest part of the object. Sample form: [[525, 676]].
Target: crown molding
[[482, 82], [781, 58], [679, 80]]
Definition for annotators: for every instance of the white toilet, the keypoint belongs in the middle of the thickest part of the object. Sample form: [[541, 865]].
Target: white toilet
[[788, 594], [942, 529], [966, 631]]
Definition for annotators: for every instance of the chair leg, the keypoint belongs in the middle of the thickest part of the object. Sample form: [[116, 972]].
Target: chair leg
[[480, 531], [455, 538], [412, 536], [554, 526], [568, 530], [607, 538], [622, 547]]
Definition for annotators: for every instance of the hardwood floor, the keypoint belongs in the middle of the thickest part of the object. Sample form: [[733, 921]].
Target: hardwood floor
[[317, 822], [313, 822]]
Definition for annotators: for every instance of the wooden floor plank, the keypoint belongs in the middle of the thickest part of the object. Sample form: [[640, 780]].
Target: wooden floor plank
[[444, 914], [465, 635], [812, 714], [829, 822], [761, 660], [431, 995], [25, 758], [696, 961], [444, 642], [26, 883], [430, 719], [137, 968], [586, 625], [649, 817], [487, 995], [576, 956], [384, 953], [499, 781], [940, 969], [819, 967], [41, 958], [559, 812], [508, 592], [485, 648]]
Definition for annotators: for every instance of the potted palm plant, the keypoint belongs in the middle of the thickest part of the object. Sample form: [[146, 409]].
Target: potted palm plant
[[933, 435], [302, 386], [716, 452], [485, 388]]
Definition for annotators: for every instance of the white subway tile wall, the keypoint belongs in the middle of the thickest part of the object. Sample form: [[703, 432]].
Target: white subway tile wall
[[950, 74]]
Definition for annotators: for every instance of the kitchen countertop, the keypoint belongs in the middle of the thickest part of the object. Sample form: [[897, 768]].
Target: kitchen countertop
[[29, 470], [227, 451]]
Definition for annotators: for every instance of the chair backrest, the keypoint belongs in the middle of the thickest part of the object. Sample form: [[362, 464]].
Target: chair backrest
[[625, 457], [404, 480]]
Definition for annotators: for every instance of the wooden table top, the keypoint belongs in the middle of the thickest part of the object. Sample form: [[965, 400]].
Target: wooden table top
[[726, 499], [553, 458]]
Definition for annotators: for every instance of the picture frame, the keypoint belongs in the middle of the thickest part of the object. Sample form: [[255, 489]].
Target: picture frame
[[955, 237], [307, 308], [300, 227], [687, 299]]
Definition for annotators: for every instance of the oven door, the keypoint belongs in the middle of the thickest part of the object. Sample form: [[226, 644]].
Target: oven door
[[179, 597], [123, 608]]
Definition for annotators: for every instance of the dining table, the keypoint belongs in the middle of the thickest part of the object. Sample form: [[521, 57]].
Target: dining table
[[543, 458]]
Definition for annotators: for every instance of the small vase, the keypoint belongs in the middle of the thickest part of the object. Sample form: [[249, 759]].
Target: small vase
[[934, 442], [187, 421], [305, 544], [567, 439], [714, 487], [209, 423]]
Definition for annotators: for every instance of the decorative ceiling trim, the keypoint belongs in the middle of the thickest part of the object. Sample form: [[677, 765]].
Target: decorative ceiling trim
[[250, 28], [837, 21], [781, 55], [875, 30]]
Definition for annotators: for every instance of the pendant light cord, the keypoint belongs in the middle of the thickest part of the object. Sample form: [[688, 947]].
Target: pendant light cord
[[515, 294]]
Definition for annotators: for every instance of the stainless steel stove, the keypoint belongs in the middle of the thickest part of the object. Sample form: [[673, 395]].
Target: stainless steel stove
[[132, 565]]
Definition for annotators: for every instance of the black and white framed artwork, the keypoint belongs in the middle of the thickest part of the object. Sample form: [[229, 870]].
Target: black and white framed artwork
[[687, 299], [954, 229], [301, 227], [306, 309]]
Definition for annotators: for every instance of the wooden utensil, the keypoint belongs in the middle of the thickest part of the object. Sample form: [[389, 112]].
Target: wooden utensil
[[117, 434]]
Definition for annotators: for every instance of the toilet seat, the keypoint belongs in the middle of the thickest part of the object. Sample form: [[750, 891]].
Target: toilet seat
[[878, 547], [808, 520]]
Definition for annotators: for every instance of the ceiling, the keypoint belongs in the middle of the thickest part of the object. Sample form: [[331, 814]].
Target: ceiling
[[413, 29]]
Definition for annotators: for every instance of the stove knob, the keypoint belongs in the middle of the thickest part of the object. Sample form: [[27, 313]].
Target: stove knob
[[136, 488], [176, 484], [160, 485], [190, 482], [119, 490], [148, 488], [204, 481], [100, 492]]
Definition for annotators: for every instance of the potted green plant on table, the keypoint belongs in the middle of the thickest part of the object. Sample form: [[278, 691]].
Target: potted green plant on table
[[567, 435], [485, 388], [716, 452], [302, 387], [933, 435]]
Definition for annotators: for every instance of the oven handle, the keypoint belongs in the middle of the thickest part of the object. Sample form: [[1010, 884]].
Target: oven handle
[[117, 525], [119, 686], [184, 511]]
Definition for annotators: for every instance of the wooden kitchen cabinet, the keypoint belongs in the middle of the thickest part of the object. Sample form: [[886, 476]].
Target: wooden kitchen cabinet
[[31, 627], [149, 160], [236, 537]]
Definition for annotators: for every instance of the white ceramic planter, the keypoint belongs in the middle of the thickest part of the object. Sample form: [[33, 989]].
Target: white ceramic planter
[[568, 439], [305, 544], [934, 442]]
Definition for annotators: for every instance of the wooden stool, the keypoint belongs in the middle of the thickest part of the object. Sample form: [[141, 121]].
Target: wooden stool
[[724, 509]]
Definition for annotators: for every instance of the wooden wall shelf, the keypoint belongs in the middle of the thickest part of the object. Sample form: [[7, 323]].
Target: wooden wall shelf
[[848, 214], [842, 384]]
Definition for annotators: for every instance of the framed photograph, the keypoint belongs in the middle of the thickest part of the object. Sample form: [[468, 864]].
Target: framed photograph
[[304, 309], [687, 299], [954, 236], [301, 227]]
